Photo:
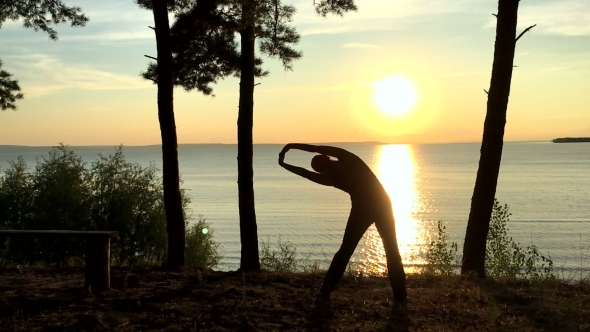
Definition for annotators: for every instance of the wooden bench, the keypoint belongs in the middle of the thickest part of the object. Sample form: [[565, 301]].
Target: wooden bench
[[98, 252]]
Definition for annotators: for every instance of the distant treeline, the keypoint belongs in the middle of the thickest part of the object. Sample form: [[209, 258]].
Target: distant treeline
[[570, 139]]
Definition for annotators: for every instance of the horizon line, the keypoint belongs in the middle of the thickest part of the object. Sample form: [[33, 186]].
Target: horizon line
[[316, 143]]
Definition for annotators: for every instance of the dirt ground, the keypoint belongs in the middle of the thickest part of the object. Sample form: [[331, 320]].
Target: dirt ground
[[149, 299]]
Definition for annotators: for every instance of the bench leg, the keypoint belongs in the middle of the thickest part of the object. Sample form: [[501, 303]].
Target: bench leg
[[98, 264]]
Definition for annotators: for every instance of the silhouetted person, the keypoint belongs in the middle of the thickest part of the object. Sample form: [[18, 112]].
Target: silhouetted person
[[370, 203]]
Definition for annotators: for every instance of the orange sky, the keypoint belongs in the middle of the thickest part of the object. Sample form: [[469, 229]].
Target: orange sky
[[85, 89]]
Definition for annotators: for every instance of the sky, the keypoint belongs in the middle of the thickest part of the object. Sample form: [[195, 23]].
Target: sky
[[85, 88]]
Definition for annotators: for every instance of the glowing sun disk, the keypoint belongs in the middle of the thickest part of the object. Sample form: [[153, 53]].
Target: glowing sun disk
[[395, 95]]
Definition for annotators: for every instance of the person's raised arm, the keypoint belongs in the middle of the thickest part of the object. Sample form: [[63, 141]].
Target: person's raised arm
[[312, 176], [321, 149]]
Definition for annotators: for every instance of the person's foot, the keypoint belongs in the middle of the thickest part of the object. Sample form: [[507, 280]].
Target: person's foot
[[322, 307], [401, 299], [322, 298]]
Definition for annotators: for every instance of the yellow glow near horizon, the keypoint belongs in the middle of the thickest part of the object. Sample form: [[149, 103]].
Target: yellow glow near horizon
[[397, 170], [410, 96], [395, 95]]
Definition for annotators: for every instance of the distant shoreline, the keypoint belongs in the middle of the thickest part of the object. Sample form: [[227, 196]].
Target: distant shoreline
[[571, 139], [102, 146]]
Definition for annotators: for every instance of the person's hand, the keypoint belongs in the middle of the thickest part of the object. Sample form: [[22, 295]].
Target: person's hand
[[287, 148], [282, 158], [282, 154]]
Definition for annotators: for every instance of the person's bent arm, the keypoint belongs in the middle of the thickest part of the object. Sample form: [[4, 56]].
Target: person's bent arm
[[322, 149], [312, 176]]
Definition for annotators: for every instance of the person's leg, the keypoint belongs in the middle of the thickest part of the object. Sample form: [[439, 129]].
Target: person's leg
[[395, 267], [355, 228]]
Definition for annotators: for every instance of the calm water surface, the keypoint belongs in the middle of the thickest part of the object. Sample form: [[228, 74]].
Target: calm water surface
[[546, 185]]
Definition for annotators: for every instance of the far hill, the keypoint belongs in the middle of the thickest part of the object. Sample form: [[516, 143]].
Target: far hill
[[571, 139]]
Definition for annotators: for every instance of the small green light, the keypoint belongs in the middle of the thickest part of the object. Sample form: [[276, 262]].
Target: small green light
[[205, 230]]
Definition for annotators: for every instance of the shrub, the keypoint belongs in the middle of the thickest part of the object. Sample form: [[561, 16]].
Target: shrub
[[15, 195], [111, 194], [201, 250], [504, 257], [283, 260], [441, 258], [129, 198], [55, 195]]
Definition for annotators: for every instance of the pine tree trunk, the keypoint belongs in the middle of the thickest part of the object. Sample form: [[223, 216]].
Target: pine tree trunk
[[248, 230], [484, 192], [172, 199]]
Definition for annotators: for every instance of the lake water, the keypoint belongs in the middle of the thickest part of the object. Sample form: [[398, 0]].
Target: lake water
[[546, 185]]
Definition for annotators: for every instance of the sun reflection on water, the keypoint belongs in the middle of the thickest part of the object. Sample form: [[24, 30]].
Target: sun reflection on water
[[397, 169]]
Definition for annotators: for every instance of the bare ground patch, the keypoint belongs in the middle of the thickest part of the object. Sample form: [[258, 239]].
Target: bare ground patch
[[150, 299]]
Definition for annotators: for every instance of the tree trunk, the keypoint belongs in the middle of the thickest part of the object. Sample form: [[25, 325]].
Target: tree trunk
[[482, 202], [172, 199], [248, 230]]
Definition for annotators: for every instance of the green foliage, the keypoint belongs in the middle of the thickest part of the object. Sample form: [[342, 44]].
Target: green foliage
[[128, 198], [204, 48], [275, 34], [283, 260], [504, 257], [111, 194], [336, 7], [201, 250], [441, 257], [40, 14], [15, 193], [57, 197], [10, 91], [176, 6], [209, 47]]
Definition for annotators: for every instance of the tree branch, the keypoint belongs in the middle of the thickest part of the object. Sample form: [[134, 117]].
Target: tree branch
[[525, 31], [152, 28], [150, 57], [486, 91], [495, 15]]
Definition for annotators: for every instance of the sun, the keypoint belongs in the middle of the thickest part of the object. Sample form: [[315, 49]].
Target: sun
[[395, 95]]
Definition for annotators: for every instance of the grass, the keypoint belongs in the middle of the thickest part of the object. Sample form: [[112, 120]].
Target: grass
[[148, 299]]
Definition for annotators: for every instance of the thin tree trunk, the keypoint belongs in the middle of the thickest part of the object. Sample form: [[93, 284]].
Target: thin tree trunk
[[172, 199], [482, 202], [248, 230]]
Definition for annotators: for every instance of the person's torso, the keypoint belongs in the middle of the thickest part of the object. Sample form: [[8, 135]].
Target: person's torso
[[363, 186]]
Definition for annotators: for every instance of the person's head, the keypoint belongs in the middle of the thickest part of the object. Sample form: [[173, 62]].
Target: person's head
[[320, 162]]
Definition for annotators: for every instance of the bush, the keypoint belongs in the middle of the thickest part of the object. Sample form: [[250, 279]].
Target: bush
[[441, 258], [504, 257], [56, 195], [201, 250], [111, 194], [283, 260], [129, 198], [15, 194]]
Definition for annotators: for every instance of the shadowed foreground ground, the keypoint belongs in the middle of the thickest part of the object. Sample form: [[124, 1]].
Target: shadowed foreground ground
[[152, 300]]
